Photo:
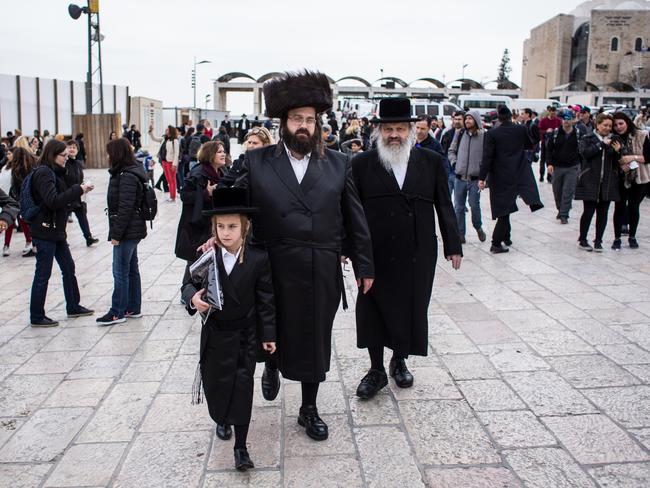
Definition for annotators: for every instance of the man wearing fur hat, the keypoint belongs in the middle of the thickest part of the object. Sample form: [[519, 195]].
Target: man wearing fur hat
[[308, 204], [400, 186]]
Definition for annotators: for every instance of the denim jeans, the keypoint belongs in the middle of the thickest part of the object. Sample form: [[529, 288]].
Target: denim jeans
[[451, 181], [564, 187], [127, 289], [462, 191], [82, 218], [47, 252]]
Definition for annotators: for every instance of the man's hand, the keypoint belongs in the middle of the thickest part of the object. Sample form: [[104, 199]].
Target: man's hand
[[209, 244], [616, 146], [455, 260], [198, 302], [115, 242], [367, 284], [481, 184], [3, 225], [269, 347], [550, 169], [86, 187]]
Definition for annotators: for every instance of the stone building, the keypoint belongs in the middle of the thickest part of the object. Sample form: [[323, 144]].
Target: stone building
[[601, 46]]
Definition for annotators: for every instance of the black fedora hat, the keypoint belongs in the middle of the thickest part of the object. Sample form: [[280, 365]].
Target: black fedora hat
[[395, 109], [226, 201]]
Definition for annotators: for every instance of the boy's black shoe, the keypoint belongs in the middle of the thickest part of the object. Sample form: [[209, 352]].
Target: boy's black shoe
[[44, 322], [242, 460], [508, 242], [270, 383], [313, 424], [371, 383], [80, 312], [498, 249], [481, 235], [564, 220], [400, 373], [224, 431], [598, 246], [91, 240], [584, 245], [616, 245], [632, 242]]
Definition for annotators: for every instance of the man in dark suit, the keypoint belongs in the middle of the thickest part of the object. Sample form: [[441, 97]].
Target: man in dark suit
[[400, 186], [243, 126], [308, 203]]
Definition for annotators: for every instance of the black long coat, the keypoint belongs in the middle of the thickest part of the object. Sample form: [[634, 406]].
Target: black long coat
[[231, 337], [598, 177], [302, 227], [193, 228], [123, 198], [509, 172], [405, 248]]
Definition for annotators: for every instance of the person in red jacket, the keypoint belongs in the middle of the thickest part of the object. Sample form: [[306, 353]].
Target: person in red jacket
[[546, 127]]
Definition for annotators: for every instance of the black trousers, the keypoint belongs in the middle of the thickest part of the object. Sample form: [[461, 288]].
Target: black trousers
[[600, 209], [501, 231], [628, 206]]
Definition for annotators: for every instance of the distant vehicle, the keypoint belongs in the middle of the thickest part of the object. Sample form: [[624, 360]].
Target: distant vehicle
[[535, 104], [444, 109], [630, 112], [484, 102]]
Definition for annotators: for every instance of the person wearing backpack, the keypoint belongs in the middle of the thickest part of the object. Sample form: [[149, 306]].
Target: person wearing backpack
[[194, 145], [126, 228], [171, 157], [49, 200]]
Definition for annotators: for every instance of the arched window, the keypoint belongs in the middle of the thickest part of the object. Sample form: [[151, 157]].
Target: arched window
[[638, 44], [613, 46]]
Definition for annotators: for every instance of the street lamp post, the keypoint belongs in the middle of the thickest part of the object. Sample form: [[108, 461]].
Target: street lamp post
[[462, 76], [194, 77]]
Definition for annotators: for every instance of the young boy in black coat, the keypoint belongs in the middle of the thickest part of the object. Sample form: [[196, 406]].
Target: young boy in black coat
[[231, 337]]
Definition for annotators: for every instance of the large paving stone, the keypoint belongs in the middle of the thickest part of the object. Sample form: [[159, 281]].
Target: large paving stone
[[296, 442], [181, 375], [145, 371], [490, 395], [594, 332], [79, 393], [555, 342], [451, 344], [253, 479], [548, 394], [175, 412], [120, 414], [481, 477], [625, 353], [594, 439], [23, 475], [164, 459], [469, 366], [591, 371], [488, 332], [622, 475], [446, 432], [45, 435], [330, 397], [75, 339], [386, 457], [20, 395], [630, 406], [546, 467], [95, 367], [87, 465], [429, 383], [324, 472], [516, 429], [122, 344], [159, 350], [513, 357], [381, 409], [51, 362]]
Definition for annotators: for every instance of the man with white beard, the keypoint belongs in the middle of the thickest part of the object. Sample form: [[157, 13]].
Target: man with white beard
[[399, 186]]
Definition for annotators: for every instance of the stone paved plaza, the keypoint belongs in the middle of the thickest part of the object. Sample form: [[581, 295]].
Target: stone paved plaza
[[538, 376]]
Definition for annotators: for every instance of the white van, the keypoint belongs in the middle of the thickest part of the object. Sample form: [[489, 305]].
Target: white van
[[484, 102], [535, 104], [444, 109]]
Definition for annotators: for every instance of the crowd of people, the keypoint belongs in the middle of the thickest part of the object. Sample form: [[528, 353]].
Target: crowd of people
[[297, 203]]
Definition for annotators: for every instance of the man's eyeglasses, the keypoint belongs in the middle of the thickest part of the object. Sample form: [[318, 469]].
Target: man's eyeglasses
[[299, 120]]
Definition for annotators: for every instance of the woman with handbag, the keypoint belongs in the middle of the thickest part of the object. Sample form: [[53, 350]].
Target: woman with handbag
[[172, 155]]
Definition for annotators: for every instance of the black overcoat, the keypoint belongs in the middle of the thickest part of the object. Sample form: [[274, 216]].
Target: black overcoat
[[599, 171], [405, 248], [302, 227], [232, 337], [506, 167]]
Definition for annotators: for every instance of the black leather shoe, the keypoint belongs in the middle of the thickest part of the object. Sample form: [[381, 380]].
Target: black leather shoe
[[400, 373], [481, 235], [270, 383], [498, 249], [313, 424], [243, 460], [224, 432], [371, 383], [91, 240], [44, 322], [80, 312], [508, 242]]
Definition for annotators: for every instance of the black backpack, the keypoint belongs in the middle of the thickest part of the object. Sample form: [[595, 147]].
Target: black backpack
[[194, 146], [148, 207]]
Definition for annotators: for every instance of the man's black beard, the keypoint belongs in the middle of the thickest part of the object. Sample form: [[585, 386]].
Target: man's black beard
[[300, 145]]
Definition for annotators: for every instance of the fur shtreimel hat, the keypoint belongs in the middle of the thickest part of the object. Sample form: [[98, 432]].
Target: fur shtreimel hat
[[293, 90]]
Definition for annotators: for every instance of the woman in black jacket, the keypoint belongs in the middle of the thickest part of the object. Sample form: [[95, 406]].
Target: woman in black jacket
[[74, 168], [51, 192], [598, 180], [126, 227], [194, 228]]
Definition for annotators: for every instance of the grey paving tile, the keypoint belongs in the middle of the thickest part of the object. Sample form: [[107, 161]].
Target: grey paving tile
[[23, 475], [514, 357], [330, 397], [175, 412], [159, 350], [118, 344], [21, 395], [256, 479], [469, 366], [378, 410], [625, 353], [488, 332], [544, 467], [51, 362], [622, 475], [494, 394], [75, 339], [516, 429], [145, 371], [451, 344], [87, 465], [630, 406], [429, 383], [325, 472], [480, 477], [642, 435], [296, 442], [96, 367], [79, 393], [591, 371]]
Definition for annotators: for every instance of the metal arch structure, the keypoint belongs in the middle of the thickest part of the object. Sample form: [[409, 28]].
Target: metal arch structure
[[355, 78], [435, 82], [472, 84], [268, 76], [400, 82], [228, 77]]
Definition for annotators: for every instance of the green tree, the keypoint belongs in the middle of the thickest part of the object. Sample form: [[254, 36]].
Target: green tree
[[504, 70]]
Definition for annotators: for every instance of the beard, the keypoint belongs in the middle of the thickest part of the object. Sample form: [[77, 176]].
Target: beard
[[393, 154], [301, 142]]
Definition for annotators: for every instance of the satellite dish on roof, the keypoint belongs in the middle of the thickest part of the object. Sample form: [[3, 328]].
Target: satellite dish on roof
[[75, 11]]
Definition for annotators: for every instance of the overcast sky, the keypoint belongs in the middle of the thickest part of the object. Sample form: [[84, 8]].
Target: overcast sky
[[150, 44]]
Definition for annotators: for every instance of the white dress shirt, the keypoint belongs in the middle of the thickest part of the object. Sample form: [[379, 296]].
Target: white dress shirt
[[399, 170], [299, 165], [229, 260]]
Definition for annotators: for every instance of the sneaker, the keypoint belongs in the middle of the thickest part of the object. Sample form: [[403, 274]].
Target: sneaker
[[598, 247], [91, 240], [5, 251], [498, 249], [110, 319], [44, 322], [132, 315], [481, 235], [31, 253], [80, 312], [616, 245], [632, 242], [564, 220], [28, 248], [584, 245]]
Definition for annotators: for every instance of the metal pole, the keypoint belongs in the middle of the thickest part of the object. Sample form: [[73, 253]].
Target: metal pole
[[89, 76], [194, 81], [99, 55]]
